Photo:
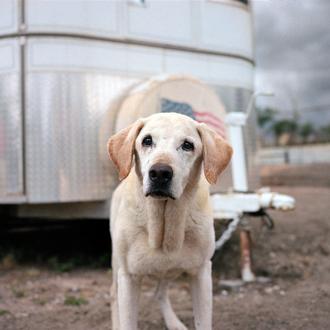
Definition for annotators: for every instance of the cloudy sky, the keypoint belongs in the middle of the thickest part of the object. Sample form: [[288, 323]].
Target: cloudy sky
[[293, 56]]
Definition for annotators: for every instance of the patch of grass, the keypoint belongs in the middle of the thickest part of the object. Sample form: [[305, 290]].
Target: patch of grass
[[3, 312], [40, 302], [79, 260], [18, 293], [7, 261], [61, 266], [75, 301], [102, 261]]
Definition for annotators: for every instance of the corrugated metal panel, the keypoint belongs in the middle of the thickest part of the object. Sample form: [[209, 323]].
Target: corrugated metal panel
[[63, 121], [11, 161]]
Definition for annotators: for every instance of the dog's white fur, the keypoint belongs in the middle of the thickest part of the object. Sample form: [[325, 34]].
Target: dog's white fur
[[164, 237]]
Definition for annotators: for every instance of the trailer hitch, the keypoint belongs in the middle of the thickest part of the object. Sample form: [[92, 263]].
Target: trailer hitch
[[265, 218]]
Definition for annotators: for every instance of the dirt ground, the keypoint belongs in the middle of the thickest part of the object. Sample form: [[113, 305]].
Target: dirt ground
[[293, 260]]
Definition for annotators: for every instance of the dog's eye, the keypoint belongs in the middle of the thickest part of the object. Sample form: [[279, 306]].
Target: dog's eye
[[147, 141], [187, 146]]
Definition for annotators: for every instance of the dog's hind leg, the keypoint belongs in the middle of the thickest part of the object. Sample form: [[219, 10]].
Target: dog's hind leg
[[171, 320]]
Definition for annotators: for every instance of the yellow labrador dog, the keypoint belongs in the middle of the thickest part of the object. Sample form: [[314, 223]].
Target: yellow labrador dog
[[161, 215]]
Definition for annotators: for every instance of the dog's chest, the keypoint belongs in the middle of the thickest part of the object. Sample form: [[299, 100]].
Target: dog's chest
[[144, 260]]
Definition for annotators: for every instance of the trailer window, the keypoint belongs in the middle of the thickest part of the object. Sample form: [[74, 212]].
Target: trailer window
[[246, 2], [243, 1], [137, 2]]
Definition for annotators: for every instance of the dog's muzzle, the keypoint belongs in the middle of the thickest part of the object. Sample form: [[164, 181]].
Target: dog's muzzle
[[160, 178]]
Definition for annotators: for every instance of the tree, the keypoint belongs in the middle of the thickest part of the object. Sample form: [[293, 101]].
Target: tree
[[284, 126], [305, 130], [265, 116], [325, 132]]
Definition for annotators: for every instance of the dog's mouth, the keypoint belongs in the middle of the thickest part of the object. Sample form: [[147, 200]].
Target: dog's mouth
[[160, 194]]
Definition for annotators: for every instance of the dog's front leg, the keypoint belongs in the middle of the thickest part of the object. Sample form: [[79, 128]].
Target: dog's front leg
[[201, 290], [128, 298]]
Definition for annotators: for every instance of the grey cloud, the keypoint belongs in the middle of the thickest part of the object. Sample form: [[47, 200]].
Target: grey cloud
[[293, 51], [291, 34]]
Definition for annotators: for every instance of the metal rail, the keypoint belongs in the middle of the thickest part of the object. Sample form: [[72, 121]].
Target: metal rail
[[129, 41]]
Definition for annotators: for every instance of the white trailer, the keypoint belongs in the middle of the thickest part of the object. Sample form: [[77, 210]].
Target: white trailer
[[63, 64]]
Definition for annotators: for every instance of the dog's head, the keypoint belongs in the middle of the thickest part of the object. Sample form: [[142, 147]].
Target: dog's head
[[169, 149]]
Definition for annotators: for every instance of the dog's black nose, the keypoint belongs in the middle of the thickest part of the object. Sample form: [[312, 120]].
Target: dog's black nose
[[160, 173]]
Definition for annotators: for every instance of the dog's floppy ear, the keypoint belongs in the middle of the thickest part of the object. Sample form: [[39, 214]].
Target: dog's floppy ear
[[216, 153], [121, 148]]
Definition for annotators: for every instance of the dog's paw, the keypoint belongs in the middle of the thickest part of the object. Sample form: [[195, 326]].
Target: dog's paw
[[177, 326]]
